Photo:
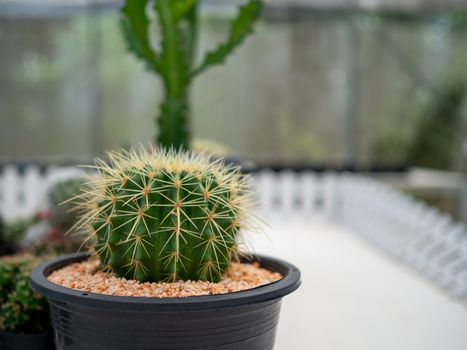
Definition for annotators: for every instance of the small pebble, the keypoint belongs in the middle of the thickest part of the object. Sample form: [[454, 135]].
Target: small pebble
[[85, 277]]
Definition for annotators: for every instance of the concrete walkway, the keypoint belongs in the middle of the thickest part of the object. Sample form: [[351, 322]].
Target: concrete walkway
[[355, 298]]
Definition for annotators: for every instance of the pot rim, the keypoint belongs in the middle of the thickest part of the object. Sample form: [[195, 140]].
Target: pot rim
[[56, 293]]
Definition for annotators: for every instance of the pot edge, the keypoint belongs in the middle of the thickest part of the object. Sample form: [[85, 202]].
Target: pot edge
[[56, 293]]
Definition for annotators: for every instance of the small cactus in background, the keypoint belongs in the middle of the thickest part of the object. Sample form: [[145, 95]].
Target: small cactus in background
[[21, 309], [166, 215], [62, 216]]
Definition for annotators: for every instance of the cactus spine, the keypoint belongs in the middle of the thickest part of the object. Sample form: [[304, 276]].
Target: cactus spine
[[166, 215]]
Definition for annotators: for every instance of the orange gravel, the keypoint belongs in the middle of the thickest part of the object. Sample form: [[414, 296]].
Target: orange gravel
[[85, 277]]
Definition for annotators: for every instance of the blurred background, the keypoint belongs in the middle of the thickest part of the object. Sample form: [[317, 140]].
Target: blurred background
[[356, 85], [367, 98]]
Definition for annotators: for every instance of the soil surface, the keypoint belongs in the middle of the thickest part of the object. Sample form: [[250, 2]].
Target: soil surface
[[86, 277]]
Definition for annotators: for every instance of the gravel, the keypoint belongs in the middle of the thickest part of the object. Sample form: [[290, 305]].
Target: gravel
[[86, 277]]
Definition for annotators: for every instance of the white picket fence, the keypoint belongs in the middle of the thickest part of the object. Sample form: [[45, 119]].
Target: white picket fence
[[407, 229], [24, 192]]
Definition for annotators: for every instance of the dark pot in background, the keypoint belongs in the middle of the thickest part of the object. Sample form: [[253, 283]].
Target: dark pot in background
[[236, 321], [14, 341], [7, 248]]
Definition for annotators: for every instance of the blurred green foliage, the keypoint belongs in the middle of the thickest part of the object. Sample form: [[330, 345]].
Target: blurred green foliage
[[21, 309], [439, 131], [433, 133], [62, 213], [63, 216], [6, 247], [428, 127], [59, 216], [13, 232]]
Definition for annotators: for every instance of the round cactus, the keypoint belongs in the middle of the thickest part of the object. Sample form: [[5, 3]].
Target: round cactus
[[165, 215]]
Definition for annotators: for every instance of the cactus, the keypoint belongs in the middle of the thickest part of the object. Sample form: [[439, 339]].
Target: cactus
[[165, 216], [62, 238], [175, 61], [62, 216], [21, 309]]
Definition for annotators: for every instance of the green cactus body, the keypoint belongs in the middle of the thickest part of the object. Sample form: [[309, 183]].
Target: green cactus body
[[166, 216]]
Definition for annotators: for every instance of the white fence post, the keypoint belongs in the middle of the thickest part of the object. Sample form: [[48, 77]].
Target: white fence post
[[407, 229], [21, 195], [33, 191], [10, 191], [308, 191]]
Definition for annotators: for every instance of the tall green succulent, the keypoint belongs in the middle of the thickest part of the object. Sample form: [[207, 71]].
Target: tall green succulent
[[175, 61], [21, 309], [166, 215]]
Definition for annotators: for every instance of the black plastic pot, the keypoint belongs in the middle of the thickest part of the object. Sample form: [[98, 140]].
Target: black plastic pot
[[236, 321], [14, 341]]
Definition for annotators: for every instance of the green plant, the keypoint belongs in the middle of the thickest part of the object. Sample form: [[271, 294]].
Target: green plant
[[166, 215], [431, 135], [2, 230], [175, 62], [6, 247], [21, 309], [62, 238], [15, 230], [62, 215], [438, 133]]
